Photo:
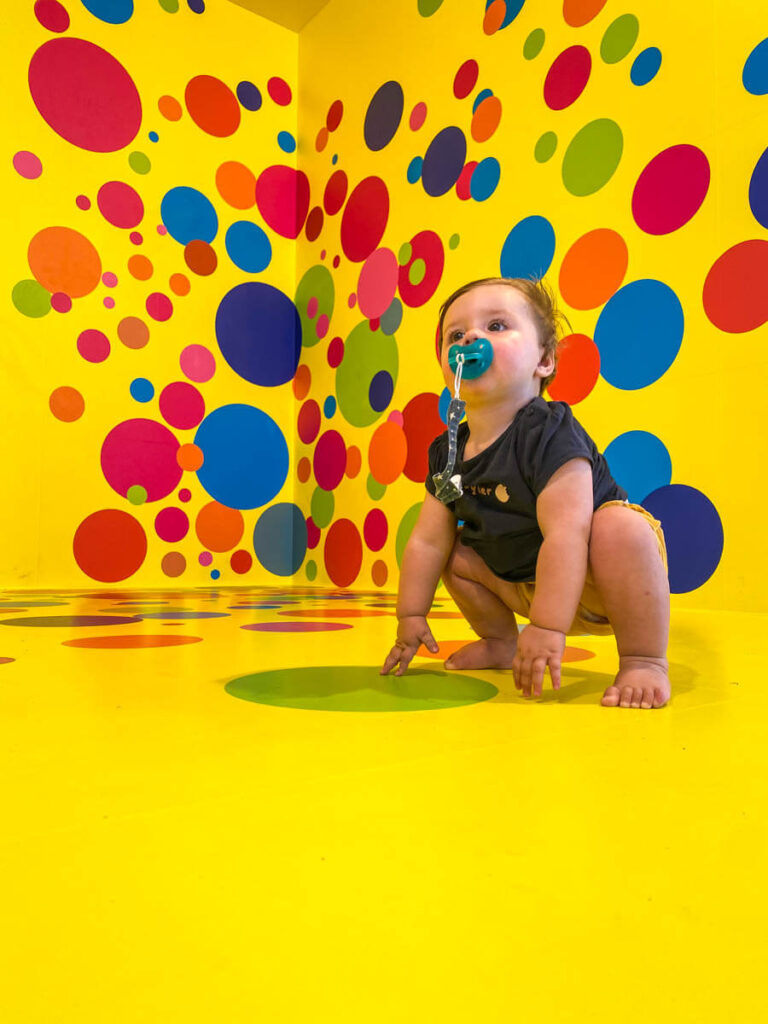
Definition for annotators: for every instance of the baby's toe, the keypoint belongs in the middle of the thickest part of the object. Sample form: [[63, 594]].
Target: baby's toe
[[648, 695], [610, 697]]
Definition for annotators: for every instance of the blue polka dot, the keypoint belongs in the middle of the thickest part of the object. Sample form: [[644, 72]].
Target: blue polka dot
[[639, 333], [513, 9], [142, 390], [414, 169], [528, 249], [248, 246], [444, 161], [758, 191], [196, 6], [329, 407], [442, 405], [482, 95], [280, 538], [154, 137], [188, 215], [639, 463], [114, 12], [485, 178], [335, 158], [215, 574], [249, 95], [286, 142], [755, 74], [693, 532], [645, 66], [382, 119], [259, 333], [381, 389], [245, 456]]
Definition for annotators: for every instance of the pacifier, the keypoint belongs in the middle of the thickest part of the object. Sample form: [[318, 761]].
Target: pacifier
[[478, 356]]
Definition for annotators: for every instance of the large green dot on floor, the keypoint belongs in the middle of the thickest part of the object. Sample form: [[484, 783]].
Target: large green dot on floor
[[360, 688]]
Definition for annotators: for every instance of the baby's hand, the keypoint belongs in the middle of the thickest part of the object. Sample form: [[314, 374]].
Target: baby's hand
[[412, 632], [537, 648]]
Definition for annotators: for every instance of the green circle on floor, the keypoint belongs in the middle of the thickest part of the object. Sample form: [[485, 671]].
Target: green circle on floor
[[360, 688]]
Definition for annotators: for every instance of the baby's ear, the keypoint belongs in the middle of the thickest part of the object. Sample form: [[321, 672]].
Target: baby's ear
[[546, 365]]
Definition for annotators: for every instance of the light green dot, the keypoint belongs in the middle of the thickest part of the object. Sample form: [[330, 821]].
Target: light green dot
[[592, 157], [620, 36], [405, 253], [545, 147], [533, 44], [404, 531], [316, 283], [169, 5], [376, 491], [321, 507], [137, 495], [311, 570], [139, 162], [428, 7], [31, 299], [453, 241], [417, 273], [366, 353]]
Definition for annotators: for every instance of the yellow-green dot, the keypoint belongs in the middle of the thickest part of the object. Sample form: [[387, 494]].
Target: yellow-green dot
[[406, 251], [545, 147], [311, 570], [321, 507], [620, 36], [376, 491], [31, 299], [417, 272], [137, 494], [171, 6], [453, 241], [533, 44], [139, 162]]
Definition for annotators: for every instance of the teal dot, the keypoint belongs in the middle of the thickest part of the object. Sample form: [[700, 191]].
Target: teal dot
[[31, 299], [142, 390], [533, 44], [414, 169], [137, 495], [139, 162], [376, 491], [545, 147], [286, 142]]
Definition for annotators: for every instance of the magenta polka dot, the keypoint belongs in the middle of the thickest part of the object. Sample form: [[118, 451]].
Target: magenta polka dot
[[323, 254], [159, 306], [205, 558], [52, 15], [162, 229], [136, 237], [312, 307], [396, 417], [375, 529], [27, 164], [141, 452], [109, 302], [335, 352], [670, 189], [198, 363], [181, 405], [93, 346], [83, 202], [567, 78], [377, 283], [313, 534], [61, 302], [321, 327], [120, 204], [185, 494], [351, 300], [109, 279], [418, 117], [171, 524], [329, 460]]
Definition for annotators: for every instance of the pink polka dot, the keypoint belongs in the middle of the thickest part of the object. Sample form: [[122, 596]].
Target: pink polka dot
[[375, 529], [198, 363], [171, 525], [329, 460], [321, 327], [377, 283], [162, 229], [109, 302], [396, 417], [120, 204], [181, 405], [205, 558], [109, 279], [670, 189], [27, 164], [418, 117], [159, 306], [335, 352], [141, 452], [93, 346], [83, 202], [61, 302], [312, 307]]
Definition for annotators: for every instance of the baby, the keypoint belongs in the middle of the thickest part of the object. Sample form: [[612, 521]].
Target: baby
[[541, 528]]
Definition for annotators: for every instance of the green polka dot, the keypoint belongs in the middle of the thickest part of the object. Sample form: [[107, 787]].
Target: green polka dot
[[404, 531], [545, 147], [592, 157], [169, 5], [139, 162], [321, 507], [453, 241], [317, 283], [31, 299], [428, 7], [366, 353], [376, 491], [405, 253], [620, 36], [533, 44], [417, 272], [137, 495], [360, 688], [311, 570]]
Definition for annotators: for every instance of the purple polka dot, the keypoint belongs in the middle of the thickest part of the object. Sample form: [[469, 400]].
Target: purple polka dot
[[296, 627]]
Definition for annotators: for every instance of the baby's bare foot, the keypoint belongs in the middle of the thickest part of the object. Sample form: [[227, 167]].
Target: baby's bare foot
[[488, 653], [640, 683]]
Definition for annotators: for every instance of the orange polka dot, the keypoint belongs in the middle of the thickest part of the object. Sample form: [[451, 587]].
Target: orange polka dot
[[486, 118], [304, 469], [302, 381], [236, 184], [140, 267], [578, 12], [133, 332], [67, 404], [169, 108], [179, 284], [173, 564], [189, 457], [354, 461], [387, 452], [200, 257], [379, 572], [219, 528], [63, 260], [494, 16], [593, 268], [322, 139]]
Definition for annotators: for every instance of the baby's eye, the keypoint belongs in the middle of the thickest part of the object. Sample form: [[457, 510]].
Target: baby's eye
[[497, 325], [455, 336]]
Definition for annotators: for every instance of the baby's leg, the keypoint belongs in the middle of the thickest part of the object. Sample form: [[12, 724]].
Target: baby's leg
[[632, 584], [488, 603]]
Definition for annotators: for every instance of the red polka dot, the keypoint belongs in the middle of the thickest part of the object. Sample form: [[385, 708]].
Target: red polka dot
[[466, 79], [335, 193], [330, 460], [418, 117], [314, 223], [241, 562], [335, 352], [343, 553], [282, 196], [141, 452], [52, 15], [578, 368], [313, 534], [212, 106], [427, 246], [279, 91], [335, 113], [171, 525], [735, 296], [421, 424], [120, 204], [462, 185], [181, 405], [308, 423], [110, 545], [364, 219], [671, 189], [159, 306], [567, 77], [375, 529]]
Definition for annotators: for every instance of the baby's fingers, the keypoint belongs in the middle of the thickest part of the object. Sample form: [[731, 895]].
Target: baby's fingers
[[392, 659], [554, 671], [429, 642]]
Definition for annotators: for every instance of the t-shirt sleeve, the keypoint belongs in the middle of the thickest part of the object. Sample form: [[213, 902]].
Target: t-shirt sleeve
[[437, 455], [551, 439]]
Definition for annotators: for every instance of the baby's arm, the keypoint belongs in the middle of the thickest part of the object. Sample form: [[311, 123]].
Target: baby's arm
[[426, 554]]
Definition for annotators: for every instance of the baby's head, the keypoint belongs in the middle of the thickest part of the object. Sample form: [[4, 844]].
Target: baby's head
[[540, 301]]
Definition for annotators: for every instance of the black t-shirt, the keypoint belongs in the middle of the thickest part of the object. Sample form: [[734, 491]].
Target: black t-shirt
[[502, 483]]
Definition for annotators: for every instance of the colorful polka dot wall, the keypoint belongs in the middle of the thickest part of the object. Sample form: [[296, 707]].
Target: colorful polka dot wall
[[224, 289]]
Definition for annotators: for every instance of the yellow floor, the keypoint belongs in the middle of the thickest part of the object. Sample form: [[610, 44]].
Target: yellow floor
[[170, 852]]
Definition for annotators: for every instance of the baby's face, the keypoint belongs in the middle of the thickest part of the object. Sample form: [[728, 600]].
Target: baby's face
[[501, 314]]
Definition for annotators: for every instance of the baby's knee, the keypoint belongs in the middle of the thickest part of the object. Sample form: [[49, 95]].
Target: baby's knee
[[619, 528]]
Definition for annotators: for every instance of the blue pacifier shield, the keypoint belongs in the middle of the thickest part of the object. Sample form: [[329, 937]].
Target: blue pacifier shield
[[478, 356]]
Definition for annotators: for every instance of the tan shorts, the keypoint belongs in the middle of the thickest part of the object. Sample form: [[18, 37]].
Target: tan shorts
[[588, 621]]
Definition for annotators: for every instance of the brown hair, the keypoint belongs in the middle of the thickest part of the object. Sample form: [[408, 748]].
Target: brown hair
[[549, 320]]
